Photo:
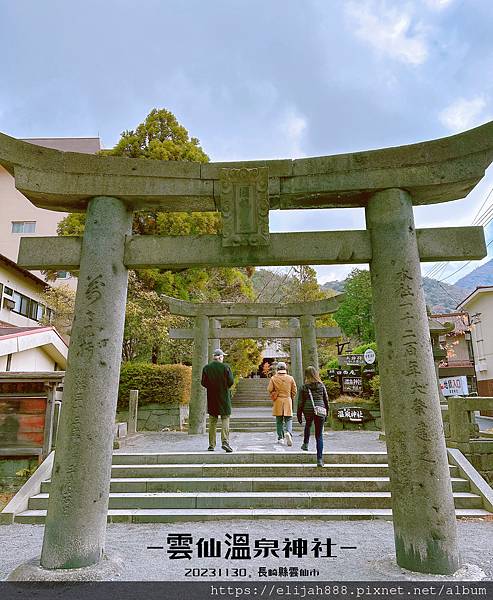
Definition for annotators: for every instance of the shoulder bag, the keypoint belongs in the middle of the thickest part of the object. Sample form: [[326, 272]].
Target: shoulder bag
[[320, 411]]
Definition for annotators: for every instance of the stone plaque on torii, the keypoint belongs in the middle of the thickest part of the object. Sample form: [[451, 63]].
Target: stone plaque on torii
[[301, 332], [387, 183]]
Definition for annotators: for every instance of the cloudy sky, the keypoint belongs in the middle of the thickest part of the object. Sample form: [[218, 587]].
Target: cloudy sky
[[257, 79]]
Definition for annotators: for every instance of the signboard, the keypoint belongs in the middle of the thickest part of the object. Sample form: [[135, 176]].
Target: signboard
[[352, 384], [369, 356], [454, 386], [351, 359], [353, 414]]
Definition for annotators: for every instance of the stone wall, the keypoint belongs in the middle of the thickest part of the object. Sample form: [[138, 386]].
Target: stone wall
[[156, 417]]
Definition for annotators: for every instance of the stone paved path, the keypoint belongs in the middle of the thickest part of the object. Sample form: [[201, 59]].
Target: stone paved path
[[175, 441]]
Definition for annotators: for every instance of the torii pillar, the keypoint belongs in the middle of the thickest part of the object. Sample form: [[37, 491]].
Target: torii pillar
[[296, 354], [309, 347], [422, 501]]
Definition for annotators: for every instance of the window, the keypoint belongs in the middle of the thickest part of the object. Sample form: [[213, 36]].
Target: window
[[23, 226], [27, 307], [62, 275], [9, 291], [9, 362]]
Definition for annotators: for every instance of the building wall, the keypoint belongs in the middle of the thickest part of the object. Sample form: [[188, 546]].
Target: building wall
[[32, 360], [480, 309], [14, 207], [19, 283], [35, 359]]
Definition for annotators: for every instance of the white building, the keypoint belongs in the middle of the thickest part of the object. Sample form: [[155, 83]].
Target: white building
[[21, 296], [19, 218], [26, 345], [32, 349], [479, 305]]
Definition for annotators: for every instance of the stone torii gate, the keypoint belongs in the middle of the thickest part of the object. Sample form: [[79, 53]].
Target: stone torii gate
[[386, 183], [302, 334]]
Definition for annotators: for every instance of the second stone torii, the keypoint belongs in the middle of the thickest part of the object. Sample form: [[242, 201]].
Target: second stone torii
[[301, 332]]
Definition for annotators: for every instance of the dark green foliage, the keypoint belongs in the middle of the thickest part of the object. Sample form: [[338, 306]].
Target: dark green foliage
[[355, 314], [333, 390], [362, 347], [164, 384], [159, 137]]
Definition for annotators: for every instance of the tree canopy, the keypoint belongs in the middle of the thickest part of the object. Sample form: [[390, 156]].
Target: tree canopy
[[355, 314], [162, 137]]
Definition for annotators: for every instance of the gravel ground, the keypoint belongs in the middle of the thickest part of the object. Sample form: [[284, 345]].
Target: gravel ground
[[373, 559]]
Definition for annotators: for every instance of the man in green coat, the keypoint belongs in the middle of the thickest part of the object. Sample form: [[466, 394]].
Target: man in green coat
[[217, 378]]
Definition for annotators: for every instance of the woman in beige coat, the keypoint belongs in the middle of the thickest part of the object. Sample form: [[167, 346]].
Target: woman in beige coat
[[283, 387]]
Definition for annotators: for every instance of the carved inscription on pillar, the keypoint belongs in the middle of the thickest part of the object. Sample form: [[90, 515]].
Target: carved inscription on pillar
[[245, 206]]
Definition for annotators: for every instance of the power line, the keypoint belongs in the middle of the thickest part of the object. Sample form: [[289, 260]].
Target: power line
[[272, 273], [282, 281], [438, 268], [463, 266], [480, 208]]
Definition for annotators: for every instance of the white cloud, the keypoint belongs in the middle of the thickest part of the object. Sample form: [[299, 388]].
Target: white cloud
[[389, 30], [293, 126], [463, 114], [437, 4]]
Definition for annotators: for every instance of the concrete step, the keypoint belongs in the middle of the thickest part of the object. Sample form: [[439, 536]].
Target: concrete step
[[254, 470], [255, 484], [248, 470], [254, 500], [240, 457], [177, 515]]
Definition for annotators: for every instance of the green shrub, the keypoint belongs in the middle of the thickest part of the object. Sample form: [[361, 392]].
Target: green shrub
[[163, 384], [333, 389], [362, 347], [375, 386], [333, 363]]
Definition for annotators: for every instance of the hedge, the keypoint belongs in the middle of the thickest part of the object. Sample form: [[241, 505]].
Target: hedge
[[333, 389], [163, 384]]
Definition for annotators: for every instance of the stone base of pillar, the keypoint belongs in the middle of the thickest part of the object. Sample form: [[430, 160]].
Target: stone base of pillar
[[109, 568]]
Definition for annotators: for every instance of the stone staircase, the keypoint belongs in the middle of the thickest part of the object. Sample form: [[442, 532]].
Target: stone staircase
[[252, 409], [203, 486], [252, 393]]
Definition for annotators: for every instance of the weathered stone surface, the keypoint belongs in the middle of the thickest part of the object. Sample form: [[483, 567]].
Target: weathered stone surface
[[198, 402], [433, 171], [76, 520], [321, 247], [309, 348], [423, 508], [214, 343], [254, 333], [107, 569], [252, 309], [296, 354], [245, 207]]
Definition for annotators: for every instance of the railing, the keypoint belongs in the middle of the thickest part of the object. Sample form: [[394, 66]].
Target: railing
[[459, 410]]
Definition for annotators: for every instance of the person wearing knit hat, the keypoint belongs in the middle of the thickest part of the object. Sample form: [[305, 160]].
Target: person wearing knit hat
[[282, 389]]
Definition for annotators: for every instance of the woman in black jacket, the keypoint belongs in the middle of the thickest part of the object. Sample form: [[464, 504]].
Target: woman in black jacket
[[313, 394]]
